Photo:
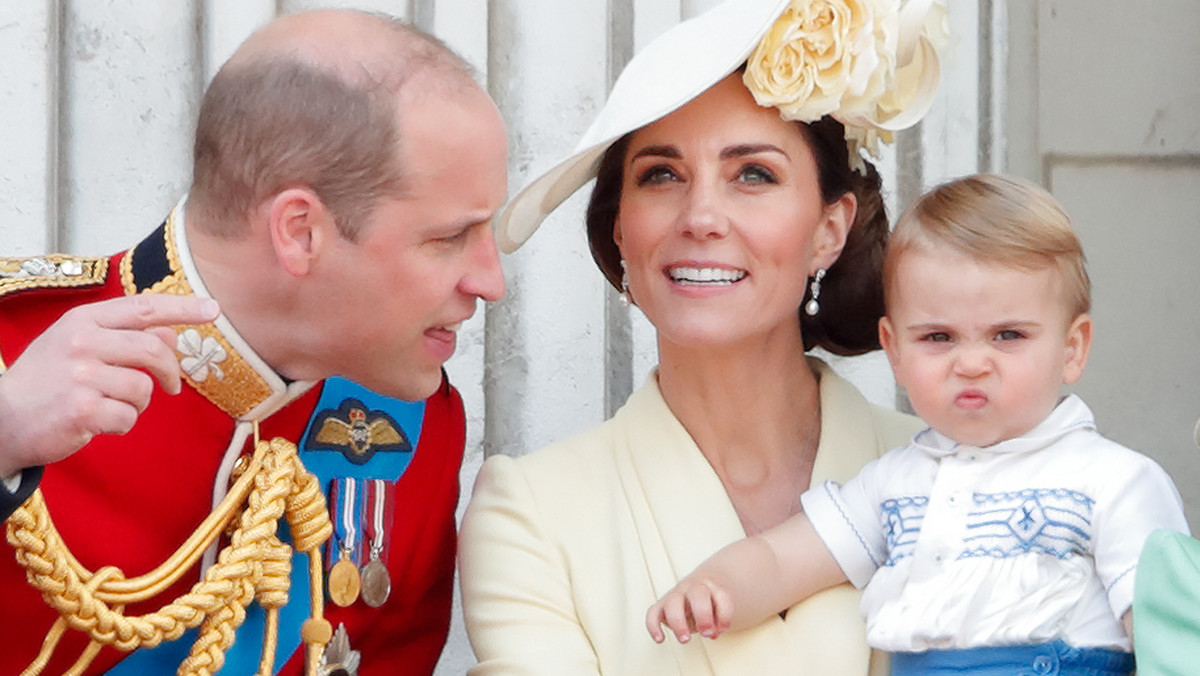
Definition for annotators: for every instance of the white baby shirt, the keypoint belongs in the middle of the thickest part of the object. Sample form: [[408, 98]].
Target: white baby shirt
[[1030, 540]]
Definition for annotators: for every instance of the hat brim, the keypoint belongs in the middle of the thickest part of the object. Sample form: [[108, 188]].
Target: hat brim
[[679, 65]]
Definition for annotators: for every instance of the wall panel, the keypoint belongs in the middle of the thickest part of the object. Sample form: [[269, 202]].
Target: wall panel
[[1103, 110], [1142, 377]]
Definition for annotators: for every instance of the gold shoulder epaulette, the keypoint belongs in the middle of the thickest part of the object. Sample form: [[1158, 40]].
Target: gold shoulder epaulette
[[51, 271]]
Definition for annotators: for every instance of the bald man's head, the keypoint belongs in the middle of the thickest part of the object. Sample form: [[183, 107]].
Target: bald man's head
[[312, 100], [361, 48]]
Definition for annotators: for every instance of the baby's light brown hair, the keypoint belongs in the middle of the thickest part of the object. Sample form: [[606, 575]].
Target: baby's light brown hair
[[998, 220]]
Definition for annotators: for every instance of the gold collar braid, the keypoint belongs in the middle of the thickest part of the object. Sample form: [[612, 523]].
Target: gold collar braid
[[255, 566]]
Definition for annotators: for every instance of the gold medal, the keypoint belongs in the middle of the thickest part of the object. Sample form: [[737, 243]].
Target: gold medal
[[344, 584], [376, 583]]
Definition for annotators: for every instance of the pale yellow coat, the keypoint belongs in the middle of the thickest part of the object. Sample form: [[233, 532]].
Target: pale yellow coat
[[562, 550]]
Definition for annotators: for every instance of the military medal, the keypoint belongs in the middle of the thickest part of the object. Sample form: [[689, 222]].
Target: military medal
[[344, 583], [377, 513], [377, 584]]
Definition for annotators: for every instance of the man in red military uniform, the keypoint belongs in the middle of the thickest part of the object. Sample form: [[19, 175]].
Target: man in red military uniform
[[308, 289]]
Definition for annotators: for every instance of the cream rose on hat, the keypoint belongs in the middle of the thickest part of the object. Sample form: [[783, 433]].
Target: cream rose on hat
[[871, 64], [822, 56]]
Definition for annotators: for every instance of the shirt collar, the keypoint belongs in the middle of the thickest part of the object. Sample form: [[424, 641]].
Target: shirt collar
[[1069, 415], [216, 361]]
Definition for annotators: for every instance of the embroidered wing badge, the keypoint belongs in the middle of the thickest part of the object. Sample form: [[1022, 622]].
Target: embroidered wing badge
[[357, 432]]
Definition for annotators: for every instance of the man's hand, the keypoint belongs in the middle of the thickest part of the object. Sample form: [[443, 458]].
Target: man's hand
[[693, 606], [92, 372]]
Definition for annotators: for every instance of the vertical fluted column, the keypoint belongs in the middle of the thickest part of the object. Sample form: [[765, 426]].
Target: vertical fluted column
[[131, 83], [29, 134], [545, 341], [461, 24], [618, 331], [951, 132], [226, 23]]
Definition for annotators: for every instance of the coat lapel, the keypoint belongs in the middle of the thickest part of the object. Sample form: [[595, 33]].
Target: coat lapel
[[683, 515]]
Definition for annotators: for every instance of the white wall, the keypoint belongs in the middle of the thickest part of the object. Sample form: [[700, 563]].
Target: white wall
[[1105, 113]]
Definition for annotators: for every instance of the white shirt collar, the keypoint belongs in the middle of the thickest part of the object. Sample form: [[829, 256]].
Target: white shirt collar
[[1069, 415], [215, 359]]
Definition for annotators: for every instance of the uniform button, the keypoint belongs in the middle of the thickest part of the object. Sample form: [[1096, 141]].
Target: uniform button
[[240, 466], [1042, 665]]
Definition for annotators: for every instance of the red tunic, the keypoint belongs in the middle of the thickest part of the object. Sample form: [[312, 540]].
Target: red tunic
[[131, 501]]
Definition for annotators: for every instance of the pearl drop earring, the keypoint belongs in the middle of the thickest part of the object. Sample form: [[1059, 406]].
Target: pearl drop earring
[[812, 307]]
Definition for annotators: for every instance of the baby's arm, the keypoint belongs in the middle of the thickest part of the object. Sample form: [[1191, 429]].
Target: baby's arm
[[746, 582]]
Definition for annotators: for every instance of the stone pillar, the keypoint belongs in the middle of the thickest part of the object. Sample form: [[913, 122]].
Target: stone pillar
[[226, 24], [29, 136], [130, 85], [545, 341]]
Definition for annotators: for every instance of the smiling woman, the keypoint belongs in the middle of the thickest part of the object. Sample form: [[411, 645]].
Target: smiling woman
[[720, 214], [720, 222], [723, 190], [799, 182]]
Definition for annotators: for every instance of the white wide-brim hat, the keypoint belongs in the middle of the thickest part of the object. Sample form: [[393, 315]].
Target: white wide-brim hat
[[675, 68], [687, 60]]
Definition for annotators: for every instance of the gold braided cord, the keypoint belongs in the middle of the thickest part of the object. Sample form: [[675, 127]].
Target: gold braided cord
[[255, 565], [266, 664]]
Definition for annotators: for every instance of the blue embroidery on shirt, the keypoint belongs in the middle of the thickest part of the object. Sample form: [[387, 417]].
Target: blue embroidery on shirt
[[902, 518], [1051, 521]]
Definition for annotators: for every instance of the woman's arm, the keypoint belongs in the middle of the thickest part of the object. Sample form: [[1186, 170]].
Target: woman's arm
[[746, 582], [516, 592]]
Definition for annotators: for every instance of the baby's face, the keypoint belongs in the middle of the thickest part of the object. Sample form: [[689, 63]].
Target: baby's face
[[981, 349]]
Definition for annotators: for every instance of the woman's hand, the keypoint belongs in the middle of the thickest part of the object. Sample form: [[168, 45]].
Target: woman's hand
[[695, 605]]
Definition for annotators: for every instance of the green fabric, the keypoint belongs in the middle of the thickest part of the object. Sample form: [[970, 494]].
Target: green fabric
[[1166, 606]]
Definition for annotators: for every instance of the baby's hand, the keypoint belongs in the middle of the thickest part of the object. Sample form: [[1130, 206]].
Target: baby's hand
[[692, 606]]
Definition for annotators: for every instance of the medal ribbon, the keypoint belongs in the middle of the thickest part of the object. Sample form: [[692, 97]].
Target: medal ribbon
[[346, 497], [378, 521]]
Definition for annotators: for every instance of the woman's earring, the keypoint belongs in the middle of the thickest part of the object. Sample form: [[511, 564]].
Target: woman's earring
[[812, 307], [624, 285]]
